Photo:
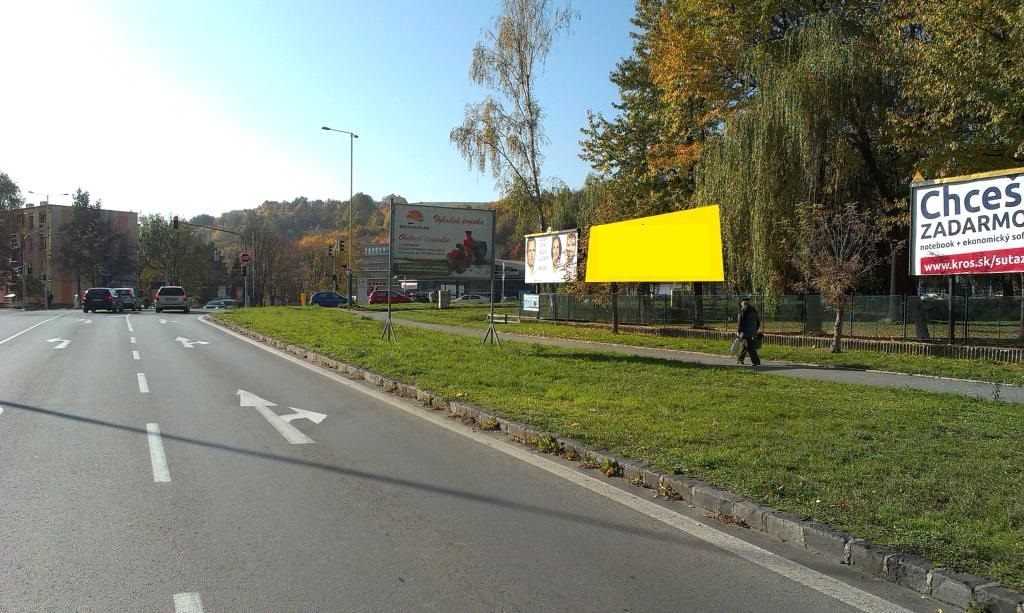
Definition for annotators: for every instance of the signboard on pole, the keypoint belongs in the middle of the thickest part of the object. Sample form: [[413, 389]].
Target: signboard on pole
[[244, 257], [551, 257], [968, 225], [442, 242]]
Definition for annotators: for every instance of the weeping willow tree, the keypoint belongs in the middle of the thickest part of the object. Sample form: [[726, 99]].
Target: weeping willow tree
[[812, 132]]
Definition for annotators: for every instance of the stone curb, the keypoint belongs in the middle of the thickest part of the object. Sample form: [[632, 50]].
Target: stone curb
[[957, 589]]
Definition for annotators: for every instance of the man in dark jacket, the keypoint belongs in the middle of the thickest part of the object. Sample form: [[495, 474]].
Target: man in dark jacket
[[748, 326]]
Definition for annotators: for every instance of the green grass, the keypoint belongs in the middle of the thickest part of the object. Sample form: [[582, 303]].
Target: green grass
[[982, 370], [935, 475]]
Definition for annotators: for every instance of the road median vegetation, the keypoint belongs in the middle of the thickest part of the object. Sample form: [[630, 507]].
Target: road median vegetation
[[935, 475]]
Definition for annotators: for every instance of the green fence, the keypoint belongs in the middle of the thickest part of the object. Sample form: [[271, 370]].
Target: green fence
[[986, 319]]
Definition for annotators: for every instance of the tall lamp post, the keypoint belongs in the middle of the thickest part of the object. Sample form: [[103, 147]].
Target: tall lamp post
[[351, 244], [47, 246]]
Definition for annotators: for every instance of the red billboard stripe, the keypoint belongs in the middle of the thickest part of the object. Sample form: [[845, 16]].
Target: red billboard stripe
[[978, 262]]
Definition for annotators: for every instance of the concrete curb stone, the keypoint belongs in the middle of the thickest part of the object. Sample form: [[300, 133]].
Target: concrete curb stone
[[958, 589]]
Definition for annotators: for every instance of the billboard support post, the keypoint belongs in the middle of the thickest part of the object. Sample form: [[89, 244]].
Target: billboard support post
[[492, 335], [388, 333], [952, 297]]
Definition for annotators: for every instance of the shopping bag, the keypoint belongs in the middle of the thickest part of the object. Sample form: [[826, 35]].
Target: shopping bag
[[758, 341], [736, 342]]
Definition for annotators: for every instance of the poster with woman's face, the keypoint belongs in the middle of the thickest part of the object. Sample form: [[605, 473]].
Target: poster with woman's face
[[551, 258]]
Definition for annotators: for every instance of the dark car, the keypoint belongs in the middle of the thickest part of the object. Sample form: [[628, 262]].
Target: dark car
[[128, 297], [327, 299], [96, 298], [420, 296], [380, 296]]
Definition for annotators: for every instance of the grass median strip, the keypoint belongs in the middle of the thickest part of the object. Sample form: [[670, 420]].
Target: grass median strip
[[982, 370], [925, 473]]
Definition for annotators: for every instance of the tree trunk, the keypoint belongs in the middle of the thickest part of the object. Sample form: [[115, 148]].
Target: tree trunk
[[698, 305], [837, 329], [615, 308]]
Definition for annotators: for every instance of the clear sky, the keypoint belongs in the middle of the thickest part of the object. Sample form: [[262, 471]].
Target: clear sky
[[204, 106]]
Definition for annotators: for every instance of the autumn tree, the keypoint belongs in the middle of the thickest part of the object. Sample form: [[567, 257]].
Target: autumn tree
[[90, 245], [504, 133]]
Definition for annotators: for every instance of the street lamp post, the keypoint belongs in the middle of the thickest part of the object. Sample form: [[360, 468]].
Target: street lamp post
[[351, 245], [47, 247]]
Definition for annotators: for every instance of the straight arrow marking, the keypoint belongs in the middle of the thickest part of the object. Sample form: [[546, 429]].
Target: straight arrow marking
[[61, 342], [292, 434]]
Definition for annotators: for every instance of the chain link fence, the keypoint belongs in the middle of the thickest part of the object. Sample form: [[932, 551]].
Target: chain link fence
[[980, 319]]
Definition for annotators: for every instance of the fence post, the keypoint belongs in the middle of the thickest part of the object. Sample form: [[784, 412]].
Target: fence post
[[853, 302], [967, 309], [904, 317]]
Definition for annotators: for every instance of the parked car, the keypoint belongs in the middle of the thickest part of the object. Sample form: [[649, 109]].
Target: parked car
[[327, 299], [172, 297], [213, 304], [420, 296], [96, 298], [129, 298], [228, 303], [380, 296], [472, 298]]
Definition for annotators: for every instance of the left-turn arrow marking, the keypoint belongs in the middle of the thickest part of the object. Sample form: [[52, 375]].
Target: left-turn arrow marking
[[61, 342]]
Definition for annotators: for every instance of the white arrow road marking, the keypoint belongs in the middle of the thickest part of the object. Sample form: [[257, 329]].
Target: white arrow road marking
[[172, 321], [188, 602], [281, 423], [1, 410], [32, 328], [61, 342], [85, 321], [161, 473], [188, 343]]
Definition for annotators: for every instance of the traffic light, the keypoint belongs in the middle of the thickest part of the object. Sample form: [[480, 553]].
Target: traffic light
[[15, 241], [330, 250], [244, 270], [175, 221], [18, 270], [341, 245]]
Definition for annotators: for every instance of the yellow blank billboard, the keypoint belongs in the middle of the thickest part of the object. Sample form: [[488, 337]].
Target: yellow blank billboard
[[682, 246]]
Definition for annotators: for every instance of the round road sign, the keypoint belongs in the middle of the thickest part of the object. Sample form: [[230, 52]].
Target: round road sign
[[244, 257]]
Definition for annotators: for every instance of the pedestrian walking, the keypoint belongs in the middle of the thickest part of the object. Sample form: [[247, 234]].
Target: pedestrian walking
[[748, 328]]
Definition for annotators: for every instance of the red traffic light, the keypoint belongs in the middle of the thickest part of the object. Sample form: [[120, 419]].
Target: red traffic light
[[175, 220]]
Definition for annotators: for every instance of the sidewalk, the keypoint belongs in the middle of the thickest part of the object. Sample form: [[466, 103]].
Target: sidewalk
[[974, 389]]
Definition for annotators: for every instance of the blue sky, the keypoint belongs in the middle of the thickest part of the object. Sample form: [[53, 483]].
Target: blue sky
[[203, 107]]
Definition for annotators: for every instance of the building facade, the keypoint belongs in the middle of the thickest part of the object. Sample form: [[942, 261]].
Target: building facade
[[41, 230]]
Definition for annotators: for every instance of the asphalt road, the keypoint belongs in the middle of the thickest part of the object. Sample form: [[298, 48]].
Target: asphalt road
[[153, 462]]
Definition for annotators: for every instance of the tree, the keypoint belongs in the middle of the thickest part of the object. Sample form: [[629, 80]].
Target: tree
[[91, 246], [181, 256], [505, 133], [10, 194], [835, 249]]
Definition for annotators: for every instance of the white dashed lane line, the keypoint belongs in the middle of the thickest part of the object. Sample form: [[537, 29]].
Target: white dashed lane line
[[188, 602], [135, 355], [161, 473], [129, 322], [143, 384]]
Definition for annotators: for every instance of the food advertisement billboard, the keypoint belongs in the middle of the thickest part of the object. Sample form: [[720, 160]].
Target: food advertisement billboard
[[442, 242]]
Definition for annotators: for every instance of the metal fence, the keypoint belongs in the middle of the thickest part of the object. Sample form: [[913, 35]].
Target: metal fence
[[978, 319]]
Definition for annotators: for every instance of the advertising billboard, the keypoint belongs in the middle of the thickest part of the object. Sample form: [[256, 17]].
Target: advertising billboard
[[968, 225], [680, 246], [551, 258], [442, 242]]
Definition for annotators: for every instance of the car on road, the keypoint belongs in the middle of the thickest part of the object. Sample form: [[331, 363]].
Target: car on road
[[380, 296], [327, 299], [96, 298], [213, 304], [471, 298], [228, 303], [129, 298], [172, 297]]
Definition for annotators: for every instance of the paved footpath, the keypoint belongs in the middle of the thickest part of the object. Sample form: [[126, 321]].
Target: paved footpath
[[975, 389]]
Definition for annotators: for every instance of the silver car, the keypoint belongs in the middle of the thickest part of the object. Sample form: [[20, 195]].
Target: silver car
[[172, 297], [128, 297]]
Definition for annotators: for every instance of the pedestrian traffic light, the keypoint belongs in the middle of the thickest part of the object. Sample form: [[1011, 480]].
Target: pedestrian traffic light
[[330, 250], [175, 220], [15, 241]]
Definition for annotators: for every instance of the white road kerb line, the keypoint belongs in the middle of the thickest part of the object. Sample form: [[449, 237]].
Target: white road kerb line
[[143, 384], [30, 328], [129, 322], [819, 582], [161, 473], [188, 602], [135, 355]]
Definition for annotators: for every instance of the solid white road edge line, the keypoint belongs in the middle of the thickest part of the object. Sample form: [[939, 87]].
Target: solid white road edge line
[[135, 355], [30, 328], [143, 384], [161, 473], [188, 602], [129, 322], [787, 568]]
